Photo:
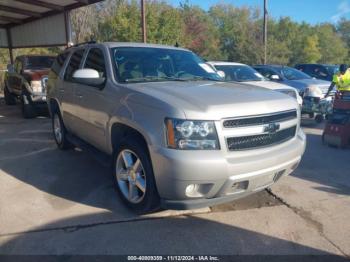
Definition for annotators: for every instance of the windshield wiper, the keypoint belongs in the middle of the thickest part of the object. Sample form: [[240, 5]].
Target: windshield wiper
[[153, 79], [199, 78]]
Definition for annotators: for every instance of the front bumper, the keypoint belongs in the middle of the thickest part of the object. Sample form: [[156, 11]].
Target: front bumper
[[221, 176], [38, 98], [317, 105]]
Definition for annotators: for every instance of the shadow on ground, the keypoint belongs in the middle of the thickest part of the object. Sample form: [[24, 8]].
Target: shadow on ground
[[175, 235], [328, 166]]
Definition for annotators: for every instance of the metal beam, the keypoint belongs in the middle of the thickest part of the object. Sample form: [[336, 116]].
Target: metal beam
[[42, 4], [9, 43], [143, 21], [19, 11], [10, 19], [265, 31]]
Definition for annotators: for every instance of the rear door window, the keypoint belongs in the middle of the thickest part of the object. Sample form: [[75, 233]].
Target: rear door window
[[74, 64]]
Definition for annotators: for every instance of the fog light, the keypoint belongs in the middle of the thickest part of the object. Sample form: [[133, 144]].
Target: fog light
[[192, 190]]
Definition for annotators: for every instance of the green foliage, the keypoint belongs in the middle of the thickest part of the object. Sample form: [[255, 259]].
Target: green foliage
[[332, 47], [311, 51], [224, 32]]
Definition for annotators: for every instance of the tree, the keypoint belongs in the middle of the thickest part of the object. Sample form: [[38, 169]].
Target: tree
[[201, 35], [332, 47], [240, 32], [311, 52]]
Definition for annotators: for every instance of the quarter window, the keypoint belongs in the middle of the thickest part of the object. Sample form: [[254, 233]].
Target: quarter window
[[73, 64]]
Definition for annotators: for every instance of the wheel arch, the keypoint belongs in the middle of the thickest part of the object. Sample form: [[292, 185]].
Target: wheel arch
[[119, 131], [53, 105]]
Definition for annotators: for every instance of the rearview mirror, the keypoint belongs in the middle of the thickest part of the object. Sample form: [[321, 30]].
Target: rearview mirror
[[275, 77], [10, 68], [88, 76]]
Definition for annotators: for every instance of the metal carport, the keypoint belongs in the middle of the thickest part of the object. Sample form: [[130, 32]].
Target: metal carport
[[36, 23]]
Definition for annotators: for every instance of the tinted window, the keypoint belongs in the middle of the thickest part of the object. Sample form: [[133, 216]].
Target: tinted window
[[73, 65], [145, 64], [57, 65], [95, 60], [307, 69], [37, 62], [239, 73], [266, 72], [332, 69], [294, 74]]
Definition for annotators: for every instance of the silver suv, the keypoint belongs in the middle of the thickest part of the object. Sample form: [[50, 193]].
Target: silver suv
[[176, 135]]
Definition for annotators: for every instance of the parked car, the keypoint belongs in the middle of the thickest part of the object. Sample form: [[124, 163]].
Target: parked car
[[26, 81], [312, 91], [236, 72], [319, 71], [176, 136]]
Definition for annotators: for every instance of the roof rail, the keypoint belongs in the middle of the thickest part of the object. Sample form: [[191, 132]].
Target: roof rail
[[84, 43]]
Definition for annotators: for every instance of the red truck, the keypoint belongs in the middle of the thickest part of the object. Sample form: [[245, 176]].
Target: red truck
[[25, 81]]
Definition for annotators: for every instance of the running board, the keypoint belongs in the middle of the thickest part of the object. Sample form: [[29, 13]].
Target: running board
[[104, 159]]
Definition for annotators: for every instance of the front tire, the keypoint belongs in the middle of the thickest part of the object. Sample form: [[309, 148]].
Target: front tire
[[59, 131], [10, 99], [133, 176]]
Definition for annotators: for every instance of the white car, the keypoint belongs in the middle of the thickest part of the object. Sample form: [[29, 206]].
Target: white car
[[237, 72]]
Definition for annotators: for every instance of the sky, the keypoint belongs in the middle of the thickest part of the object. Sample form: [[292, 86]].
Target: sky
[[310, 11]]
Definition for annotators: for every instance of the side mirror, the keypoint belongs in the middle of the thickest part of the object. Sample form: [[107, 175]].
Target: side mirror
[[89, 77], [275, 77], [10, 68], [221, 74]]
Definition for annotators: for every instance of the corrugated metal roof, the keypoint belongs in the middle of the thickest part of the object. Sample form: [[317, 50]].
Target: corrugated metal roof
[[17, 12]]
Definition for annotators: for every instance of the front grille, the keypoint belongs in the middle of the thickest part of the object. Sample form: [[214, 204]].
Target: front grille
[[260, 120], [256, 141]]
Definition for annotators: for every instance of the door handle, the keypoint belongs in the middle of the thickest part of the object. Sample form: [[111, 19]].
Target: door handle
[[79, 95]]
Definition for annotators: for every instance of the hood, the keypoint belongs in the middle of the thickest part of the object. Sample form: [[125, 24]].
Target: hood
[[268, 84], [36, 74], [209, 100], [302, 84]]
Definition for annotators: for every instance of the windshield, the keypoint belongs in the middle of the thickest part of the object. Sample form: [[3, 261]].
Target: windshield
[[239, 73], [39, 62], [332, 69], [294, 74], [145, 64]]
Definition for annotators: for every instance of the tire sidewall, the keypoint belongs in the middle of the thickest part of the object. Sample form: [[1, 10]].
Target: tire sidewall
[[63, 144], [150, 202]]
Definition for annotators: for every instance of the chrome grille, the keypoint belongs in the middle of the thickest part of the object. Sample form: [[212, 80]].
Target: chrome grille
[[260, 120], [256, 141]]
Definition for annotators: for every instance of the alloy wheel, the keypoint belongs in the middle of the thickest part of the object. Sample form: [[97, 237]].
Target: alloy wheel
[[131, 176]]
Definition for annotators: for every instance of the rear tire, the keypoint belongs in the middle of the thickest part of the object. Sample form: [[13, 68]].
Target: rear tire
[[59, 131], [10, 99], [133, 176]]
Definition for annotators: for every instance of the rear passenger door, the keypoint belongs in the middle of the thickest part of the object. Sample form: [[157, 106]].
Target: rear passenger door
[[93, 103], [69, 100]]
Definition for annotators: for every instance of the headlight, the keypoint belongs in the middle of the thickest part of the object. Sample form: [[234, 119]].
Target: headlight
[[313, 91], [191, 135], [36, 86]]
